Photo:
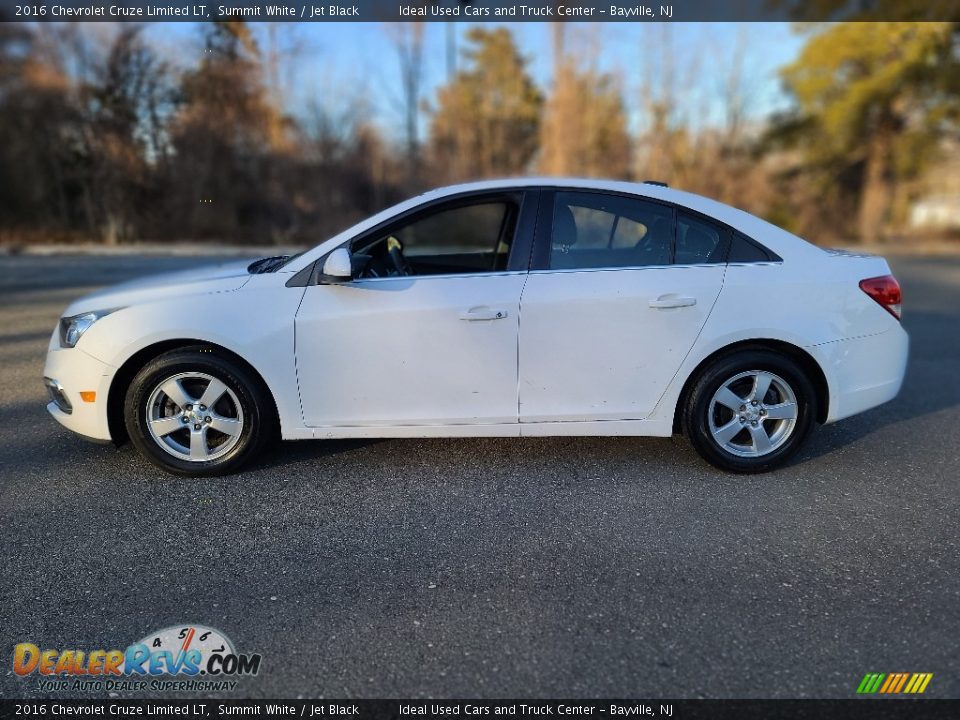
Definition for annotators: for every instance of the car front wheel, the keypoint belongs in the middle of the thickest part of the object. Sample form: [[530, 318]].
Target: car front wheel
[[195, 412], [750, 411]]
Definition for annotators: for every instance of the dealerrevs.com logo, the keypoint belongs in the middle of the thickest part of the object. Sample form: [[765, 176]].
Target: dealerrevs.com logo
[[180, 657]]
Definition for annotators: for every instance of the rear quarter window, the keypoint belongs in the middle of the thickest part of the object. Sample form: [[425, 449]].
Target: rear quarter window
[[745, 250]]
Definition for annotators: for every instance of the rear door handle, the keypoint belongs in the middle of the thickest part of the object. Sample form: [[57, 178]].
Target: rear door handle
[[672, 300], [482, 313]]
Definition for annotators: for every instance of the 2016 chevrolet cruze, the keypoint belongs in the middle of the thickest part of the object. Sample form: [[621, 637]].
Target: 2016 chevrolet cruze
[[506, 308]]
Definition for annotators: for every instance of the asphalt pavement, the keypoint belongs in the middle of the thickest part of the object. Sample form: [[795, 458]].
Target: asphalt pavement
[[553, 567]]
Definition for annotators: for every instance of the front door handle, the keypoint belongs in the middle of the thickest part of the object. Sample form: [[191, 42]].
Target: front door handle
[[482, 313], [672, 301]]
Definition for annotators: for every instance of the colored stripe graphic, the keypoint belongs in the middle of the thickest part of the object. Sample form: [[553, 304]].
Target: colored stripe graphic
[[870, 683], [899, 687], [891, 682], [918, 683], [894, 683]]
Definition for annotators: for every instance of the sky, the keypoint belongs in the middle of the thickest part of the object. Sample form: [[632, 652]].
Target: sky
[[335, 63]]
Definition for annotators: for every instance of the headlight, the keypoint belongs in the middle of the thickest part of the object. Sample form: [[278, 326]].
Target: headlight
[[71, 328]]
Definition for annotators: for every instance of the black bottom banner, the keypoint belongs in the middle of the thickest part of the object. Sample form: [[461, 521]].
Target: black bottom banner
[[489, 709]]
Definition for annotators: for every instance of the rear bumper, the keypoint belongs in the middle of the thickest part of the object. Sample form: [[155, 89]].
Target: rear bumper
[[74, 372], [863, 372]]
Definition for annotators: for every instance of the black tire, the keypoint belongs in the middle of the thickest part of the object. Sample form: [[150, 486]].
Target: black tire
[[700, 410], [244, 403]]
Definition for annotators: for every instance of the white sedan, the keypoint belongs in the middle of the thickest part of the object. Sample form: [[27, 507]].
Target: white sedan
[[507, 308]]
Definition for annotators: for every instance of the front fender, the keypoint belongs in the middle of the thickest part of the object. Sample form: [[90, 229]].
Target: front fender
[[255, 322]]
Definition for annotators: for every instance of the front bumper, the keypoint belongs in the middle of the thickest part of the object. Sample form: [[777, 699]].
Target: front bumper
[[74, 372]]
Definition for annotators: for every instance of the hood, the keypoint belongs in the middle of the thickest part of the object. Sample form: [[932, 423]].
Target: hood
[[198, 281]]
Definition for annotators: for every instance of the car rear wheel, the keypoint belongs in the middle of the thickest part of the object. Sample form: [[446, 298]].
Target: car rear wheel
[[194, 412], [749, 412]]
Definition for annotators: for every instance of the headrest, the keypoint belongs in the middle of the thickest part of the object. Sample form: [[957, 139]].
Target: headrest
[[661, 226], [698, 239], [564, 226]]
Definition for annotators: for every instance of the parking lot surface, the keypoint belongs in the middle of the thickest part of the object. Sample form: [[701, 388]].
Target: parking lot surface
[[564, 567]]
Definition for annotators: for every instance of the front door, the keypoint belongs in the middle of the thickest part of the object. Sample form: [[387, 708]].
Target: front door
[[426, 333]]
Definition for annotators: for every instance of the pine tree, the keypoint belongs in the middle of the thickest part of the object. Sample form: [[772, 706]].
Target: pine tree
[[488, 115], [872, 101]]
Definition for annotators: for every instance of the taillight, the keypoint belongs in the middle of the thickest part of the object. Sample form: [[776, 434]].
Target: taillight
[[886, 291]]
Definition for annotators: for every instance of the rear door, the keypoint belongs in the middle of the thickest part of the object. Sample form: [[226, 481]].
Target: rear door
[[620, 289]]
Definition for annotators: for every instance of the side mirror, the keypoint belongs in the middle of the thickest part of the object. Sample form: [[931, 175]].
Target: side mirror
[[338, 267]]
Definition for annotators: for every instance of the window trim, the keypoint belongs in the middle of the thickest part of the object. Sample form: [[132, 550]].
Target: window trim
[[543, 237]]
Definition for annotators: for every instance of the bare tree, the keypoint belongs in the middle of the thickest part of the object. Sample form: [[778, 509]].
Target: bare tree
[[584, 127], [407, 40]]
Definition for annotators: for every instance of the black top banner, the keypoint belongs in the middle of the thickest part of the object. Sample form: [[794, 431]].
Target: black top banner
[[479, 10]]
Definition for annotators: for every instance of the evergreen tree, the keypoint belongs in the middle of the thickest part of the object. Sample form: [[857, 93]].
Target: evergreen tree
[[488, 115], [872, 101]]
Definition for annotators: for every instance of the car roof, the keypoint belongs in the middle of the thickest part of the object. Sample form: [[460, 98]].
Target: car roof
[[783, 243]]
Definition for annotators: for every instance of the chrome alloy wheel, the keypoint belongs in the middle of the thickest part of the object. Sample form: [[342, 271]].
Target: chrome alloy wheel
[[753, 413], [195, 417]]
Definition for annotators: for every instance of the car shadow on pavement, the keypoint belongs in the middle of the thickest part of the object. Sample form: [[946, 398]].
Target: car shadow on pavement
[[289, 452]]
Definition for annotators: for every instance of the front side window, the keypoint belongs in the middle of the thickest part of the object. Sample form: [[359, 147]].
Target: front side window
[[451, 240], [593, 230]]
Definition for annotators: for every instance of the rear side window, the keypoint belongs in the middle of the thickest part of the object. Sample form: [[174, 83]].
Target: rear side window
[[698, 241], [593, 230]]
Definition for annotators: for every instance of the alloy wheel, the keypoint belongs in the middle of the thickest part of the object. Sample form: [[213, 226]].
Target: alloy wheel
[[194, 416], [753, 413]]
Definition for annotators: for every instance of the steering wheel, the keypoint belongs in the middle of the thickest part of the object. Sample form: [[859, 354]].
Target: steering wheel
[[395, 250]]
